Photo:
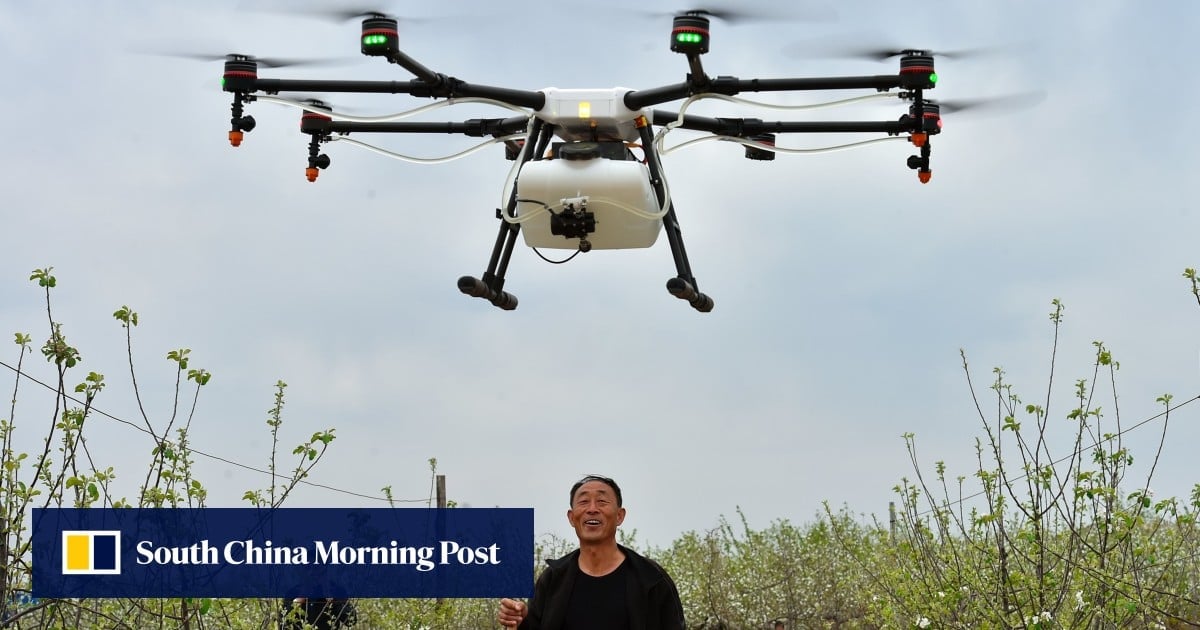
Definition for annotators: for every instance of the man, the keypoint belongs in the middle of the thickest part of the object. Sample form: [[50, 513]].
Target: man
[[601, 585]]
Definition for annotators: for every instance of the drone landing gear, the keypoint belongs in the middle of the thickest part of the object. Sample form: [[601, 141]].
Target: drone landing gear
[[491, 286], [683, 286]]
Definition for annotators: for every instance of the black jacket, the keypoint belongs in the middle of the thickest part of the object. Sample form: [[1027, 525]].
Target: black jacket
[[653, 600]]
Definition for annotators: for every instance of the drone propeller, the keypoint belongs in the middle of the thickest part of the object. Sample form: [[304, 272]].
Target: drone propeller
[[728, 15], [342, 14], [884, 54], [847, 46], [265, 62], [317, 101], [345, 15], [311, 101], [996, 104], [735, 13]]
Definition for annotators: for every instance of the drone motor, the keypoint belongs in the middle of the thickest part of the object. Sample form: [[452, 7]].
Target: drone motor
[[755, 153], [917, 70], [380, 36], [689, 33]]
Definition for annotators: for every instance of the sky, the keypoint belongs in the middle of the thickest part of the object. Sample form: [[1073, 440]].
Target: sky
[[844, 288]]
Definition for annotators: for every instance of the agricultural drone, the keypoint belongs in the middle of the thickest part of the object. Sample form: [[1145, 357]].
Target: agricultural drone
[[587, 170]]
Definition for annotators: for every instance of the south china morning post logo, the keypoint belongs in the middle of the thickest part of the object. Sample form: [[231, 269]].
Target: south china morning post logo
[[319, 552], [91, 552], [252, 552]]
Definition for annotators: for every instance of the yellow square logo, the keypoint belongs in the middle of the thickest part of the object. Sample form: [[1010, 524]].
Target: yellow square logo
[[91, 552]]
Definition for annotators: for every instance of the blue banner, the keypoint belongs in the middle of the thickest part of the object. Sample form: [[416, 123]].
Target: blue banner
[[285, 552]]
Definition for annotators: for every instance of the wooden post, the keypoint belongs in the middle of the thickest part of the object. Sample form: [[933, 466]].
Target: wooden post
[[892, 519], [441, 503], [5, 594]]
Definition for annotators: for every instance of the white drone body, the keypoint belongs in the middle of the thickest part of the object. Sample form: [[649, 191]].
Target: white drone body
[[590, 114], [628, 213]]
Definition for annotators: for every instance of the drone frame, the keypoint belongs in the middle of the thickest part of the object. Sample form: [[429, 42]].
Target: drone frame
[[689, 36]]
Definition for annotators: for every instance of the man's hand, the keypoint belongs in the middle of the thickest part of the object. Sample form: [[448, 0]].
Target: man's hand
[[511, 613]]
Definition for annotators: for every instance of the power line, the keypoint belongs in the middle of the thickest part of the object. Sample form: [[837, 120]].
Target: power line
[[211, 456], [1081, 451]]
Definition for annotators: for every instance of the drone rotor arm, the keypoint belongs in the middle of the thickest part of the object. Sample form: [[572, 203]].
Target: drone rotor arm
[[730, 86], [745, 127], [719, 126], [476, 127], [423, 74], [275, 86], [452, 89], [519, 98], [752, 127], [657, 96]]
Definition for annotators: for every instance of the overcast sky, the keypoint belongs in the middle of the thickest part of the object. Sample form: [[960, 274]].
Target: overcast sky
[[844, 288]]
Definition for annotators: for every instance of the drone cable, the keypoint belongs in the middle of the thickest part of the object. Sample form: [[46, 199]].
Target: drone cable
[[741, 101], [421, 160], [538, 251], [545, 207], [765, 105], [660, 137], [777, 149], [510, 181], [634, 210], [616, 203], [325, 111], [555, 262], [620, 205]]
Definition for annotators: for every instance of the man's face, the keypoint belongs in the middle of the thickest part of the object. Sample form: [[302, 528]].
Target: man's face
[[594, 513]]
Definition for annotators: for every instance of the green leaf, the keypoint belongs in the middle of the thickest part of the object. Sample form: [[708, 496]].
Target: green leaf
[[200, 376], [43, 277], [126, 316], [180, 356]]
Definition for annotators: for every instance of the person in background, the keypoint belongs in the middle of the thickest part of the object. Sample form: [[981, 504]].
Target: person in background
[[601, 585]]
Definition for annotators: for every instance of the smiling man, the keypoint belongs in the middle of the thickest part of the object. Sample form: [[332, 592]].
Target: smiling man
[[601, 585]]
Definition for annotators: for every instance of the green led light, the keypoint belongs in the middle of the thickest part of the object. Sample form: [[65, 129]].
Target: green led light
[[688, 38], [933, 78], [222, 81], [374, 40]]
